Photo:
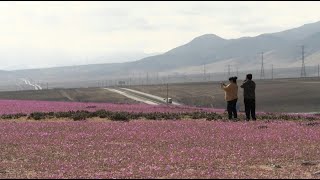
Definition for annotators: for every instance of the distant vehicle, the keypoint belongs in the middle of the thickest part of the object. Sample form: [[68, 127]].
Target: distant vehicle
[[169, 100]]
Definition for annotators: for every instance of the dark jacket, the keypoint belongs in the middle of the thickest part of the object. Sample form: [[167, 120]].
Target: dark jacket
[[249, 88]]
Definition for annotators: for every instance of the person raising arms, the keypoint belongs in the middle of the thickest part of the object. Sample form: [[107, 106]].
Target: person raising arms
[[231, 96], [249, 95]]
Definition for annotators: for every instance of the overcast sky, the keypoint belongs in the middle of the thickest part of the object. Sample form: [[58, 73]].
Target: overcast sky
[[45, 34]]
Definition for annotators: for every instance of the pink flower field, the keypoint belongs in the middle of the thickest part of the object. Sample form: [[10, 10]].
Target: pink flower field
[[159, 149], [91, 148]]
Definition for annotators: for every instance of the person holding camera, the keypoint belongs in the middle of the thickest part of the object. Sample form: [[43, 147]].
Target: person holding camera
[[249, 95], [231, 96]]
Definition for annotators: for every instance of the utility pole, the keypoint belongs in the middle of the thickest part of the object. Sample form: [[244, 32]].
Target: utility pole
[[303, 68], [147, 78], [167, 93], [318, 71], [157, 77], [272, 71], [262, 67], [204, 72], [237, 71]]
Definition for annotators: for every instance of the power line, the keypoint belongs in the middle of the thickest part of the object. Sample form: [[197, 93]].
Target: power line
[[147, 78], [272, 71], [167, 93], [157, 77], [262, 67], [204, 72], [237, 71], [303, 68]]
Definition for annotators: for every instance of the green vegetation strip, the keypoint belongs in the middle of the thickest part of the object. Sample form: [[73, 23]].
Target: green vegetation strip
[[127, 116]]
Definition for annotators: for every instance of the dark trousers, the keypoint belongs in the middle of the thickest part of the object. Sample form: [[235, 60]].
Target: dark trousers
[[232, 108], [250, 108]]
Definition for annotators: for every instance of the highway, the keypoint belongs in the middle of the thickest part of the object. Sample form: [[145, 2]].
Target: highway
[[35, 86], [161, 99], [141, 96], [133, 96]]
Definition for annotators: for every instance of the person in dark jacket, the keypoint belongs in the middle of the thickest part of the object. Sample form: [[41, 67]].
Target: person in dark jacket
[[249, 95]]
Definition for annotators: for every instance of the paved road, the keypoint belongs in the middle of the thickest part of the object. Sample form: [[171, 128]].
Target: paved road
[[133, 96], [36, 86], [158, 98]]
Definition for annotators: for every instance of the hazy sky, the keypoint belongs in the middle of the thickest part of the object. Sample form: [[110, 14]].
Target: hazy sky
[[42, 34]]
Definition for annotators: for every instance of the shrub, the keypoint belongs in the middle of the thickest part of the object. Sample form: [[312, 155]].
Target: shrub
[[153, 116], [213, 116], [120, 116], [7, 116], [285, 117], [37, 115], [102, 113], [198, 115], [68, 114], [13, 116], [19, 115], [136, 115], [176, 116], [80, 115]]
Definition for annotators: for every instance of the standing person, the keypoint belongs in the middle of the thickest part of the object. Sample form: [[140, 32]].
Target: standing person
[[249, 95], [231, 96]]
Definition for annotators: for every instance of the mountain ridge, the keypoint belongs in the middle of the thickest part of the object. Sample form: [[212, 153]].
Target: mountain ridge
[[281, 49]]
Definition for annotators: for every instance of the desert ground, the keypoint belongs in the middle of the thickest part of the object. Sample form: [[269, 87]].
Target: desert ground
[[281, 95]]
